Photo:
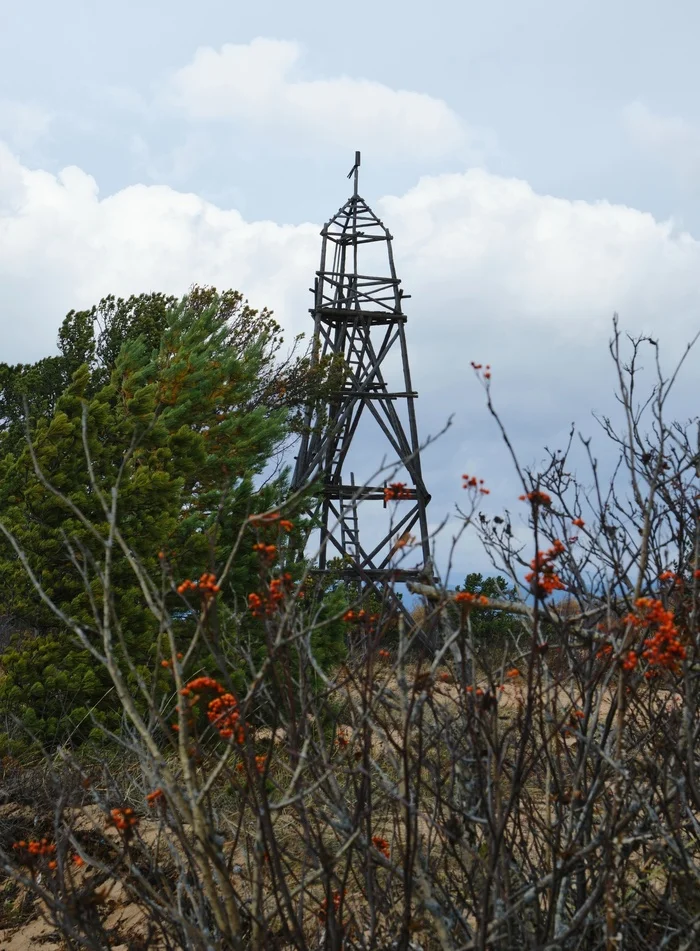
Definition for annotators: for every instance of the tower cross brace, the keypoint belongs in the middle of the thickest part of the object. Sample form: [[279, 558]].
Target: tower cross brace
[[358, 316]]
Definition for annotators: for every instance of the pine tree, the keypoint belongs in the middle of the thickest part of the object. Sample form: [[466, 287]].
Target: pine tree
[[493, 625], [185, 419]]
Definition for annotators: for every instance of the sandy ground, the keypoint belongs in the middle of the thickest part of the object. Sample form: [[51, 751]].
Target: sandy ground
[[39, 935]]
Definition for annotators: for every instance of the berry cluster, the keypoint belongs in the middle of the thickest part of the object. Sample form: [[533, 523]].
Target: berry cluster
[[395, 491], [471, 482], [33, 850], [267, 552], [223, 714], [222, 711], [265, 605], [336, 900], [206, 586], [662, 647], [342, 739], [272, 518], [467, 598], [543, 579], [361, 615], [478, 366], [536, 498], [260, 762], [381, 845], [124, 820]]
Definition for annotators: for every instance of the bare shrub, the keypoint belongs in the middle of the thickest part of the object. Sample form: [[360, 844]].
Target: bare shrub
[[541, 793]]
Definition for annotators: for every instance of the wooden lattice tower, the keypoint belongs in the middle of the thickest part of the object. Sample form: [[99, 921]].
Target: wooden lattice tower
[[358, 315]]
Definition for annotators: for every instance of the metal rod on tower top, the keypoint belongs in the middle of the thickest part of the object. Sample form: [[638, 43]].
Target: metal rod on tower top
[[355, 171]]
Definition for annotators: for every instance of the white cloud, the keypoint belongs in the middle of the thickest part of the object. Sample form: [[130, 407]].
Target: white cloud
[[479, 253], [23, 124], [259, 83], [672, 139], [539, 258], [497, 273], [63, 246]]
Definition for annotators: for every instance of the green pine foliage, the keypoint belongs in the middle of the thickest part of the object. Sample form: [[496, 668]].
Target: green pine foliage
[[179, 403], [328, 640], [491, 625]]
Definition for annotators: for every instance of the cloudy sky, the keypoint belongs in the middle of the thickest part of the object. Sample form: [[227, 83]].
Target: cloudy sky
[[538, 164]]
